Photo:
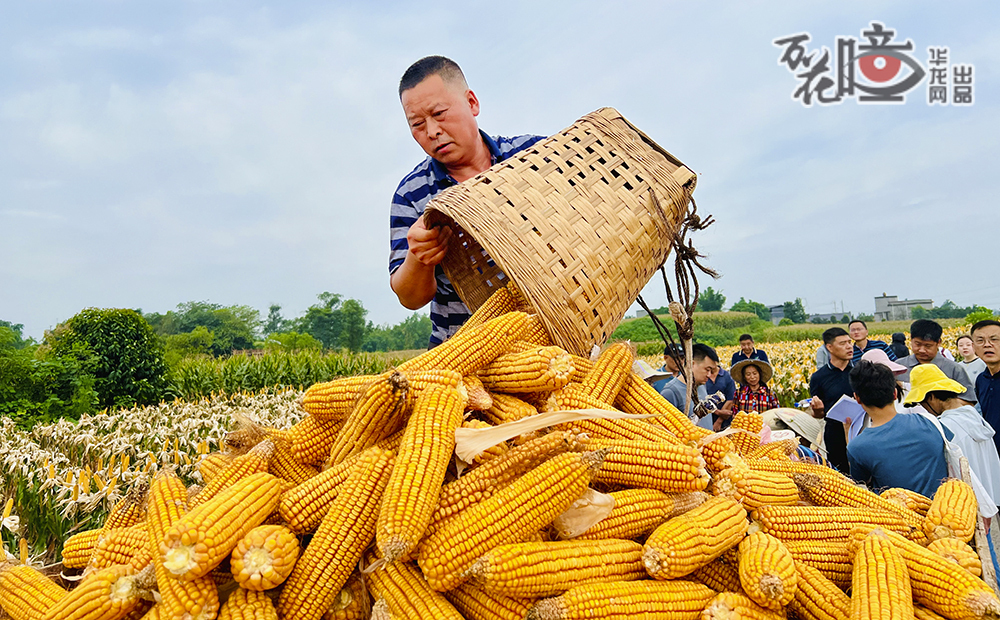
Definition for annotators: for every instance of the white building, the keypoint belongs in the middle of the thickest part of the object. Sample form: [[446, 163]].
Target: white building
[[891, 308]]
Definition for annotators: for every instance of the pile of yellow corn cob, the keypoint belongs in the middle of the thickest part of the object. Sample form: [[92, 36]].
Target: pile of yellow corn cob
[[362, 510]]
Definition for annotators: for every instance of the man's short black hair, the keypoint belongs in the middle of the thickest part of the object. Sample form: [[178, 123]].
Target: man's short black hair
[[984, 323], [863, 324], [701, 350], [833, 333], [427, 66], [746, 337], [926, 329], [873, 384], [941, 395]]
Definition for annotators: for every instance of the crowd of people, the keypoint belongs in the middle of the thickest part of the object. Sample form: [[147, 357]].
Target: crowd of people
[[916, 410]]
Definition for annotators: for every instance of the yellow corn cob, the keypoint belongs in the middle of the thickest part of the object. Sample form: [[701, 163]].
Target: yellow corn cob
[[719, 453], [128, 545], [380, 611], [476, 604], [818, 598], [752, 423], [776, 450], [689, 541], [880, 585], [737, 606], [718, 575], [264, 558], [541, 369], [304, 506], [767, 571], [638, 512], [312, 439], [581, 368], [922, 613], [953, 512], [833, 559], [129, 510], [821, 522], [198, 541], [420, 380], [516, 511], [940, 584], [284, 465], [482, 482], [473, 349], [908, 499], [497, 304], [421, 463], [654, 600], [212, 465], [476, 393], [78, 548], [191, 600], [507, 408], [652, 465], [334, 400], [253, 462], [574, 396], [376, 416], [347, 529], [755, 488], [107, 594], [535, 332], [834, 489], [609, 373], [639, 398], [248, 605], [25, 593], [142, 608], [537, 569], [351, 603], [407, 594], [492, 452], [958, 552]]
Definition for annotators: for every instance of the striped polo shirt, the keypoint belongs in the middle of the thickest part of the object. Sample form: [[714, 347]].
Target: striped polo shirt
[[426, 181], [873, 344]]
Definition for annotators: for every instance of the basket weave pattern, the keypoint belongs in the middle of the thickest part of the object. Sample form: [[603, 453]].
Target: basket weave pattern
[[580, 222]]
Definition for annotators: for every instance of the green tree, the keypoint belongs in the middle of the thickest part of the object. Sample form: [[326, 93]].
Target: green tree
[[232, 327], [275, 323], [12, 335], [711, 300], [795, 311], [195, 342], [120, 349], [845, 319], [353, 324], [323, 321], [762, 311], [291, 341], [412, 333], [785, 321]]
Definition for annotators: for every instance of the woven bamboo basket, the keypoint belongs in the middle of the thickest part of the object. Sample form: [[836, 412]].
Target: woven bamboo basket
[[580, 222]]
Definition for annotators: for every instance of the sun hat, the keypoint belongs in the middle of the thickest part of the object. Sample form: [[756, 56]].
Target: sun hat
[[878, 356], [802, 423], [649, 374], [766, 372], [926, 378]]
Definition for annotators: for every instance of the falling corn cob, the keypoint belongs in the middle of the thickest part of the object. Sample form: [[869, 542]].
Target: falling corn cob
[[750, 424], [248, 605], [499, 303], [407, 594], [662, 466], [516, 511], [940, 584], [253, 462], [25, 593], [313, 439], [78, 548], [264, 558], [821, 522], [818, 598], [346, 530], [908, 499], [689, 541], [107, 594], [880, 584], [958, 552], [334, 400], [421, 464], [953, 512], [541, 369], [535, 331], [475, 348], [476, 604], [376, 416], [507, 408], [609, 373], [718, 575], [833, 559], [659, 600], [198, 541], [351, 603], [754, 488], [834, 489], [476, 393], [637, 512], [767, 571], [537, 569], [128, 545], [737, 606]]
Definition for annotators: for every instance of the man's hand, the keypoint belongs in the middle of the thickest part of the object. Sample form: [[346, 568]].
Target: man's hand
[[428, 245], [818, 409]]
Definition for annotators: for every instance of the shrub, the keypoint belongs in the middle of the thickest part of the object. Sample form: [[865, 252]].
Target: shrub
[[37, 390]]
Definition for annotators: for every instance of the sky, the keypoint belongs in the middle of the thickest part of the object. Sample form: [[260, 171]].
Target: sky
[[154, 153]]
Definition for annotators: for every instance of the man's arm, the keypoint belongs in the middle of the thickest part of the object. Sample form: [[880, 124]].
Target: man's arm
[[958, 373], [413, 281], [817, 406]]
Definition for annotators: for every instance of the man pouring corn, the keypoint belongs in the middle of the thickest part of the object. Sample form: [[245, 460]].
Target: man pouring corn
[[441, 111]]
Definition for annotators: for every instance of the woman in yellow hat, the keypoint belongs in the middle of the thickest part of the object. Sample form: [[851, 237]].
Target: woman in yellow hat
[[938, 395]]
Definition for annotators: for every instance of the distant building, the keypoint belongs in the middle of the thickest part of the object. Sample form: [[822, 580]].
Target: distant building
[[891, 308], [640, 314], [777, 313]]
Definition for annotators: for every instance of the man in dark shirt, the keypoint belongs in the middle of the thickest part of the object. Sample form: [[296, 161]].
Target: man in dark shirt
[[826, 386], [748, 352], [986, 342], [925, 338], [722, 382], [858, 331]]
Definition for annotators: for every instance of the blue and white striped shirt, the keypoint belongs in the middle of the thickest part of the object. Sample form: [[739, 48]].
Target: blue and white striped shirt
[[426, 181]]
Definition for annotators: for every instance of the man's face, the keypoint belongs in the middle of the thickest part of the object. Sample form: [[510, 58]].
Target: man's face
[[442, 119], [842, 348], [746, 346], [703, 370], [924, 350], [858, 332], [986, 342], [669, 364]]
